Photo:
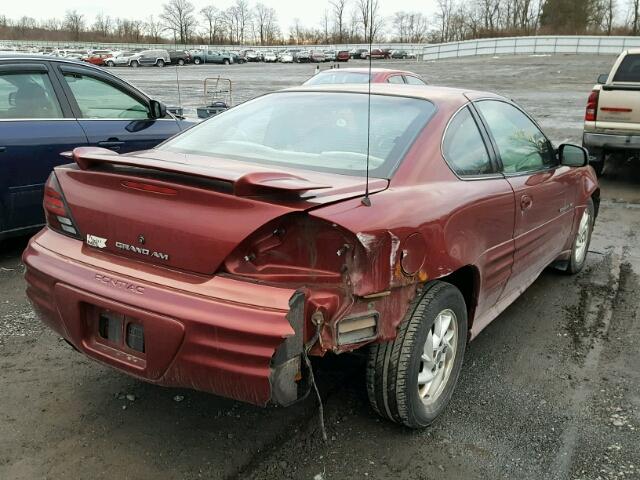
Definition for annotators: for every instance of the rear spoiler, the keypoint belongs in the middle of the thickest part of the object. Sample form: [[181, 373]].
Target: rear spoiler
[[244, 184]]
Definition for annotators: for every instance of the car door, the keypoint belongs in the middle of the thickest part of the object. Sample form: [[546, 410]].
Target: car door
[[36, 125], [543, 189], [484, 219], [148, 59], [112, 114]]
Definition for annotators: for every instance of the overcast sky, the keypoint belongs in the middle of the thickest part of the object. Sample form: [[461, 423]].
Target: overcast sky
[[308, 11]]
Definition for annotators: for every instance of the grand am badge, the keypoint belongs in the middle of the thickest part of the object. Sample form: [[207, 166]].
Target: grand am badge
[[142, 251], [97, 242]]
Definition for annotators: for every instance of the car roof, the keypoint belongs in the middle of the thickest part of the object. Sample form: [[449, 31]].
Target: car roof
[[366, 70], [633, 51], [48, 58], [427, 92]]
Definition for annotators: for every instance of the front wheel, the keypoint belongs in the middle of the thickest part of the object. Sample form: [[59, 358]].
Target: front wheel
[[411, 379], [226, 61], [110, 64], [197, 61], [135, 64], [180, 62], [582, 240], [160, 63]]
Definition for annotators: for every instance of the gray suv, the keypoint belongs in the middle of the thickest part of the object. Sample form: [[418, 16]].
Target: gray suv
[[150, 58]]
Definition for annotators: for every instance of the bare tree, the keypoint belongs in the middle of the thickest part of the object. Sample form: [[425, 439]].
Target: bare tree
[[212, 22], [153, 28], [74, 23], [339, 7], [102, 24], [635, 16], [370, 20], [265, 21], [177, 16]]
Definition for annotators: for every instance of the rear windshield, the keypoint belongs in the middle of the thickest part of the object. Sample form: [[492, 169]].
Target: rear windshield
[[318, 131], [332, 77], [629, 69]]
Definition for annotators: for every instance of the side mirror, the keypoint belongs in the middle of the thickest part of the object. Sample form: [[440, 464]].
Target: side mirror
[[158, 109], [602, 78], [573, 155]]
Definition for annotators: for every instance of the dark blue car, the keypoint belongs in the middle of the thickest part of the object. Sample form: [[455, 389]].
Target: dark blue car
[[51, 105]]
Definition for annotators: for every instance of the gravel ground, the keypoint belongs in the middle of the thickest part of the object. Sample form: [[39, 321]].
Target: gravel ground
[[550, 390]]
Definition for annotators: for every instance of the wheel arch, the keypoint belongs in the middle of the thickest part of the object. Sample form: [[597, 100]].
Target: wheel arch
[[595, 196], [467, 280]]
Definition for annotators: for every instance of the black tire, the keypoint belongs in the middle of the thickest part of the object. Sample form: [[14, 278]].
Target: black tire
[[226, 61], [393, 367], [596, 160], [574, 264], [181, 62], [110, 64], [197, 61], [134, 64], [160, 63]]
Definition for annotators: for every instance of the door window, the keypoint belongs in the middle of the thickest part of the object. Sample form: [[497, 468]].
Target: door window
[[521, 144], [395, 79], [463, 147], [28, 95], [98, 99], [414, 80]]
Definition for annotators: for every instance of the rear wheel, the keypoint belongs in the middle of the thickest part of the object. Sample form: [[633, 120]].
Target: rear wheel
[[135, 64], [160, 63], [110, 63], [226, 61], [410, 380], [596, 160], [180, 62], [197, 61], [582, 240]]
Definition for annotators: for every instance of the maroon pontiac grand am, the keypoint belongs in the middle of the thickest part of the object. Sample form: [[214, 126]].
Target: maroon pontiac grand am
[[225, 256]]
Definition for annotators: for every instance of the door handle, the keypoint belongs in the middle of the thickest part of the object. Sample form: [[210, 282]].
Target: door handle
[[112, 144], [526, 202]]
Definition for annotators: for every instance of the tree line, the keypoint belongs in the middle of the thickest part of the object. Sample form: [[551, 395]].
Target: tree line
[[342, 21]]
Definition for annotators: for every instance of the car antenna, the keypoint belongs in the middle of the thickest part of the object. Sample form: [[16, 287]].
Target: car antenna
[[366, 201]]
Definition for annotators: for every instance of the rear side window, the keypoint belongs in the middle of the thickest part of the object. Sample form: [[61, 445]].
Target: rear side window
[[28, 95], [629, 69], [463, 147], [98, 99]]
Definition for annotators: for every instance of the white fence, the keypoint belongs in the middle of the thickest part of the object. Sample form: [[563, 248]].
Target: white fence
[[531, 46]]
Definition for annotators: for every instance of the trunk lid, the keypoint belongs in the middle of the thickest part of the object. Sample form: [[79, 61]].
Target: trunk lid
[[187, 215]]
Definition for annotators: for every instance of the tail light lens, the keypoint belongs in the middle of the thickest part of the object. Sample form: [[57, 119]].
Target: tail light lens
[[56, 209], [591, 113], [293, 249]]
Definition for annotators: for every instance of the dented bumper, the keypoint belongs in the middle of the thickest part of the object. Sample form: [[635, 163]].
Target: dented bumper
[[220, 335]]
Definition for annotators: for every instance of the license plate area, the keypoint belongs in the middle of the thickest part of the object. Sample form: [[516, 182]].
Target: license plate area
[[118, 330]]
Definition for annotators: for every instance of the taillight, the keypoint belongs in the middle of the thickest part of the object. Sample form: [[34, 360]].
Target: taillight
[[591, 113], [295, 248], [56, 209]]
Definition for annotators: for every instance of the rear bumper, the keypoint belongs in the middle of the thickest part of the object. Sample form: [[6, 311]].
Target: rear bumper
[[220, 335], [611, 141]]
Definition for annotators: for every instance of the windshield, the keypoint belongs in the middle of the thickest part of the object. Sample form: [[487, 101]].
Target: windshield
[[333, 77], [322, 131]]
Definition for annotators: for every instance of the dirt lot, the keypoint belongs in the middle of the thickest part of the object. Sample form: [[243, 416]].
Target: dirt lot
[[550, 390]]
